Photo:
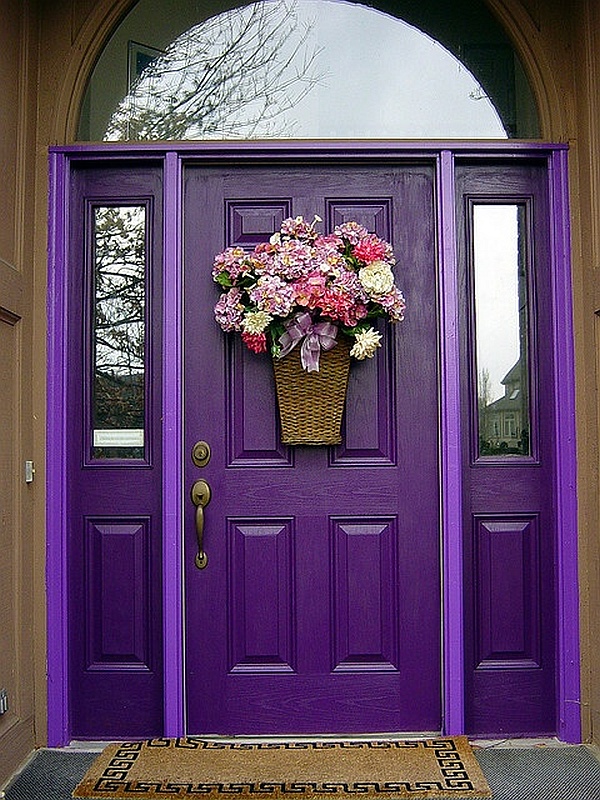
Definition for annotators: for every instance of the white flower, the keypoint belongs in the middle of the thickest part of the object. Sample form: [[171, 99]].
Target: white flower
[[366, 344], [256, 321], [376, 278]]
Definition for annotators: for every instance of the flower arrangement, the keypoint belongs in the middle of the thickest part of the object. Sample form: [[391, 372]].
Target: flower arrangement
[[303, 288]]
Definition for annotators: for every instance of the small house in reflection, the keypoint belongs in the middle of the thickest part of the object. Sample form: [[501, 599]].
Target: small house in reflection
[[504, 423]]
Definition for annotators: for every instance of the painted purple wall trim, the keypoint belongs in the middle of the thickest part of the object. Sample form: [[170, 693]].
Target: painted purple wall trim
[[56, 488], [451, 461], [569, 719], [252, 150], [174, 710]]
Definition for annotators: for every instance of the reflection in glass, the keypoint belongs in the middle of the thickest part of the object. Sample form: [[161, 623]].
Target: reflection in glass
[[119, 301], [501, 329], [283, 69], [236, 75]]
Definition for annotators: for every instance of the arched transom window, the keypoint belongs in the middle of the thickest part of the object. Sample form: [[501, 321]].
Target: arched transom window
[[307, 69]]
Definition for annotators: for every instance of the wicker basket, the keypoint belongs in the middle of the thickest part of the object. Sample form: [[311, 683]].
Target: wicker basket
[[311, 404]]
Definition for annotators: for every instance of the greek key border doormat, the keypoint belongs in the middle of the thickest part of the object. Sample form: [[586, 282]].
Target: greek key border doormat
[[193, 767]]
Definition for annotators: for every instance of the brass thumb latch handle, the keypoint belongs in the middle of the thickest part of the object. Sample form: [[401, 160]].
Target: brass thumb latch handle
[[200, 498]]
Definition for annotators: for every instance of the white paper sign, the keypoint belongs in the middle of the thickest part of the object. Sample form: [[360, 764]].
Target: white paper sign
[[119, 437]]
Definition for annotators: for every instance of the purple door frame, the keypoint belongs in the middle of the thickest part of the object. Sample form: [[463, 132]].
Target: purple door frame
[[568, 679]]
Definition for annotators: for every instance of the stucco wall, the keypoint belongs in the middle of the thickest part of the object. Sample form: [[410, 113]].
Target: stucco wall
[[586, 247], [558, 44], [17, 590]]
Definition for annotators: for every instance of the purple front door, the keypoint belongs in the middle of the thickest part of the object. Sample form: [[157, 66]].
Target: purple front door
[[319, 608]]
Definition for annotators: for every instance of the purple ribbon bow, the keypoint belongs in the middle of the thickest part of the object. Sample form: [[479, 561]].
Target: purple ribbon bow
[[317, 337]]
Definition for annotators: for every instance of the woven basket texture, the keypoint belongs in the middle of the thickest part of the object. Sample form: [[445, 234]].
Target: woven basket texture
[[311, 404]]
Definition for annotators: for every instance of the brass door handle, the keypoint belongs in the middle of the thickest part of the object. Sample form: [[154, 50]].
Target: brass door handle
[[200, 498]]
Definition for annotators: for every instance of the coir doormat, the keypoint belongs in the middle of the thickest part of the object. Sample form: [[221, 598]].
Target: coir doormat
[[193, 767]]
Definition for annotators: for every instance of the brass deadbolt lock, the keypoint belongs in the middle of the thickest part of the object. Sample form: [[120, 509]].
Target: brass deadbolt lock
[[201, 454]]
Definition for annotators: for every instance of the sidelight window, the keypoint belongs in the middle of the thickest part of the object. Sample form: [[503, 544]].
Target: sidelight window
[[118, 332], [501, 326]]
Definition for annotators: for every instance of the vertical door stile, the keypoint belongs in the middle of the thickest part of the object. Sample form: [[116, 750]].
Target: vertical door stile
[[172, 479], [565, 454], [450, 447], [57, 512]]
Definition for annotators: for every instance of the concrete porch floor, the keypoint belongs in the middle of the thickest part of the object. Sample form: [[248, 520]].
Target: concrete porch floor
[[515, 770]]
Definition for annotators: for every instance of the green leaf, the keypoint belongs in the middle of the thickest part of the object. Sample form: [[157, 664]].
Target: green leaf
[[224, 280]]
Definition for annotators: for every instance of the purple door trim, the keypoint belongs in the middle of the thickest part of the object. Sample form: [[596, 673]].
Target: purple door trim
[[56, 494], [450, 446], [172, 453], [565, 472], [565, 448]]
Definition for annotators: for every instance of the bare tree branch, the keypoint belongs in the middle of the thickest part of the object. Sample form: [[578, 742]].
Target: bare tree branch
[[234, 75]]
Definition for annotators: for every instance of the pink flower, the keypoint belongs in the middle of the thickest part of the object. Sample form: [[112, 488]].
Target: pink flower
[[264, 247], [229, 310], [273, 295], [342, 278], [354, 314], [339, 306], [393, 303], [329, 241], [308, 289], [328, 253], [351, 232], [257, 342], [372, 248], [348, 281], [233, 261], [299, 228], [262, 257], [294, 259]]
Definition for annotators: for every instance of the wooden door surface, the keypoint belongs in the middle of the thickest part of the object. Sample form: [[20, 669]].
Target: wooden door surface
[[319, 609]]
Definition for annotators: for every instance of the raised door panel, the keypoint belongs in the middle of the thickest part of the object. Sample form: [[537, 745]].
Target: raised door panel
[[261, 625], [118, 575], [506, 579], [365, 594]]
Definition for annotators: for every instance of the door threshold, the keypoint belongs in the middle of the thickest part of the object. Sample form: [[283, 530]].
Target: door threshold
[[516, 743], [89, 745], [95, 745], [325, 737]]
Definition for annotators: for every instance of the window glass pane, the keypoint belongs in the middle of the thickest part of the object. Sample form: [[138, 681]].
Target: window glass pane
[[282, 69], [501, 329], [119, 331]]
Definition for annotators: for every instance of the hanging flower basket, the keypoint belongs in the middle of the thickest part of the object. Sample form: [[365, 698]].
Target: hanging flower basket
[[311, 404], [310, 299]]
